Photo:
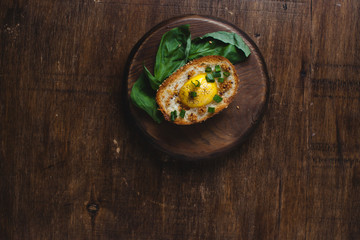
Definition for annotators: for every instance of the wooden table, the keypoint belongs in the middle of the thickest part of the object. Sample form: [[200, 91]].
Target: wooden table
[[73, 165]]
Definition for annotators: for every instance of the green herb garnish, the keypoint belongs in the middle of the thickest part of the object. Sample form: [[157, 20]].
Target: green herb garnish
[[208, 69], [211, 109], [217, 68], [216, 74], [193, 94], [220, 80], [217, 98], [210, 78], [173, 115], [226, 74], [196, 85], [182, 113]]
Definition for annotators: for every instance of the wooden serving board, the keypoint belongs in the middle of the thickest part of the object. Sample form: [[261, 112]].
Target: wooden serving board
[[223, 131]]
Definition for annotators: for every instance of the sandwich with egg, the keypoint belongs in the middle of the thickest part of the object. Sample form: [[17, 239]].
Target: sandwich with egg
[[198, 90]]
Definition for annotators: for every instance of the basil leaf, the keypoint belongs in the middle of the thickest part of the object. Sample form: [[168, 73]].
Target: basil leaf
[[144, 97], [154, 82], [226, 44], [204, 48], [173, 52], [230, 38]]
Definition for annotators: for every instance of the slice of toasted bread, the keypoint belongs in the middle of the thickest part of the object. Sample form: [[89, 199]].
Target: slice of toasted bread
[[168, 99]]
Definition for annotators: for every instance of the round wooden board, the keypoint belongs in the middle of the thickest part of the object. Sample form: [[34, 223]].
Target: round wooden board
[[221, 132]]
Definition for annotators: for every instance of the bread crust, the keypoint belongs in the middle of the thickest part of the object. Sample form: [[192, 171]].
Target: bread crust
[[203, 61]]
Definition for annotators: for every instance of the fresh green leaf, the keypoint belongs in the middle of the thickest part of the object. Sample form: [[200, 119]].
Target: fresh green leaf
[[144, 97], [226, 44], [173, 52], [230, 38], [154, 82], [201, 48]]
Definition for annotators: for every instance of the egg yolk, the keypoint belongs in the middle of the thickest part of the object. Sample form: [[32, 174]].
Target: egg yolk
[[204, 91]]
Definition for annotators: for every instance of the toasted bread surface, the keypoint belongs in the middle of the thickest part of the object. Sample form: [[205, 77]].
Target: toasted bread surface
[[167, 96]]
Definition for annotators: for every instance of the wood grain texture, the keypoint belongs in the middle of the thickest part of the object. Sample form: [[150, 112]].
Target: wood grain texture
[[73, 164], [221, 132]]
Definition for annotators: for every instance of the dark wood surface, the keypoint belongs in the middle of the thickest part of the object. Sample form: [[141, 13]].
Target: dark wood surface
[[222, 132], [73, 165]]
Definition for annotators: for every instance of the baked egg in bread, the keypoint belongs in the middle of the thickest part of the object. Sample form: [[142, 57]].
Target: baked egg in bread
[[198, 90]]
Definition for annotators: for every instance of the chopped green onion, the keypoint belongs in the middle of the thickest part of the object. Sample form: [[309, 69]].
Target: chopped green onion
[[173, 115], [182, 113], [226, 74], [193, 94], [208, 69], [216, 74], [217, 98], [211, 109], [209, 77], [196, 85], [220, 80], [217, 68]]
